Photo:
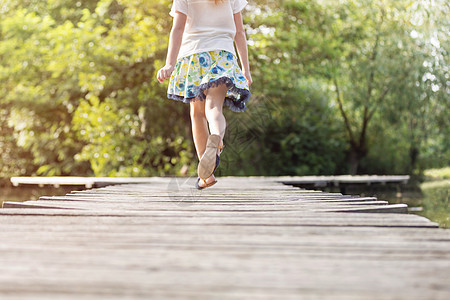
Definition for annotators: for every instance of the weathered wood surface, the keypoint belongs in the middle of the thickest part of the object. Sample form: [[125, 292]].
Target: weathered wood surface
[[344, 179], [90, 182], [245, 238]]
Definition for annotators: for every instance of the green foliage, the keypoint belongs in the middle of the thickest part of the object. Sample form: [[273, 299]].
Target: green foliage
[[120, 144], [79, 87], [335, 83], [368, 54], [14, 160], [298, 135], [38, 91]]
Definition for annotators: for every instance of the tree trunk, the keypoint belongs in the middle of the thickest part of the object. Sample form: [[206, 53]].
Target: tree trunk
[[413, 155], [357, 152], [354, 162]]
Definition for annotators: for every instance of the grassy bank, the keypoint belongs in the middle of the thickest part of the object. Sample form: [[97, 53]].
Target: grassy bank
[[435, 202], [437, 174]]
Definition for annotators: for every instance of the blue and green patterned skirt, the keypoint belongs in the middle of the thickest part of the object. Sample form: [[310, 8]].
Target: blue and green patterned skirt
[[196, 73]]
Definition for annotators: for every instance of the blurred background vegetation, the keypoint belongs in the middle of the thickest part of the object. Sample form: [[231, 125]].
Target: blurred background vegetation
[[340, 86]]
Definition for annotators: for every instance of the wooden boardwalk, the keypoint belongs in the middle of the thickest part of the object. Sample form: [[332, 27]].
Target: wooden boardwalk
[[310, 181], [244, 238]]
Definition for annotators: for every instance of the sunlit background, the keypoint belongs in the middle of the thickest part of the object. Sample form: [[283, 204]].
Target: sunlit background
[[340, 87]]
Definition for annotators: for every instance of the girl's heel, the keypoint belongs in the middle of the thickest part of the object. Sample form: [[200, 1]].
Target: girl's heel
[[208, 161]]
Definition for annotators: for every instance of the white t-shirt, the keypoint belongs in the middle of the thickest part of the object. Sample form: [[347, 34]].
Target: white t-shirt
[[209, 26]]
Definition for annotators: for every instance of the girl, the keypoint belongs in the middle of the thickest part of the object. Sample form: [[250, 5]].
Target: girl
[[203, 70]]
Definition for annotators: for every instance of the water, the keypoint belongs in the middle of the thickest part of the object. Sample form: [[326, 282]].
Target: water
[[26, 193], [430, 201], [434, 204]]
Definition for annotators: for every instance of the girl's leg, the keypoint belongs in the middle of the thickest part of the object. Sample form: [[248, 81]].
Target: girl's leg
[[200, 131], [199, 126], [209, 110], [215, 98]]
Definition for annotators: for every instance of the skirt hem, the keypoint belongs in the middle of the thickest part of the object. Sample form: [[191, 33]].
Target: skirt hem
[[236, 105]]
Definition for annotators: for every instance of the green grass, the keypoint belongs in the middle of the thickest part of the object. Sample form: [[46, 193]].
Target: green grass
[[437, 174], [436, 201]]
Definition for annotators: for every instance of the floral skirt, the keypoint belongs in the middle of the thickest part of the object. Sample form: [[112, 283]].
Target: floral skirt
[[196, 73]]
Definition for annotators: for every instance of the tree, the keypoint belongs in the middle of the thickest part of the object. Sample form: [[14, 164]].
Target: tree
[[78, 85], [363, 78], [374, 73]]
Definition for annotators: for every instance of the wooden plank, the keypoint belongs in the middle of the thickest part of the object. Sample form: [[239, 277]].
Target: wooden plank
[[343, 179], [204, 205], [262, 240], [394, 209], [239, 218]]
